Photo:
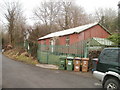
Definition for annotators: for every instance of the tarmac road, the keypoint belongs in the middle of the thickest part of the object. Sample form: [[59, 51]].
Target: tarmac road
[[20, 75], [0, 70]]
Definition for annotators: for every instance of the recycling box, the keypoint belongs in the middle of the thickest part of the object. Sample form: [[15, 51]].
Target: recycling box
[[85, 64], [77, 64], [62, 63], [70, 63]]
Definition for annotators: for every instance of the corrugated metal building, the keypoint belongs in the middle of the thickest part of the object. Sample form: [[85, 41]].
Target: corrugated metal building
[[74, 35]]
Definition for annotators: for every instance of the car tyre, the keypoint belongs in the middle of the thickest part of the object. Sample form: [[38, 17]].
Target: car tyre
[[112, 84]]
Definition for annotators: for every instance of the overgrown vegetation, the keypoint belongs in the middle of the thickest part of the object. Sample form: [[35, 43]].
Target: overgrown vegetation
[[108, 18], [115, 38], [25, 57]]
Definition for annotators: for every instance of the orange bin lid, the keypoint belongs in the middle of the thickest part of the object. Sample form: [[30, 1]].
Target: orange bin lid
[[85, 59], [78, 58]]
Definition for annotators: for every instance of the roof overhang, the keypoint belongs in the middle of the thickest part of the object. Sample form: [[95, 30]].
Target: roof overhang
[[72, 31]]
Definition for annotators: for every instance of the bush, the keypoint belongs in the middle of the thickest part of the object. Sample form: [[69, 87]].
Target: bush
[[115, 38]]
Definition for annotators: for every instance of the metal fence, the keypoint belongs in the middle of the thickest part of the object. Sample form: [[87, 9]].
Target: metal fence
[[30, 47], [50, 54]]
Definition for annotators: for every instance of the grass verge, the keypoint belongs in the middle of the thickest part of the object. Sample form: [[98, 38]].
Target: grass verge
[[14, 54]]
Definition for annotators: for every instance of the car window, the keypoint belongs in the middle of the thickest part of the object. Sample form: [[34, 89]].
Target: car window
[[110, 55]]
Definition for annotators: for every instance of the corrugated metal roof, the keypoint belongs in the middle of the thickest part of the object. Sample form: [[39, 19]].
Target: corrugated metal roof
[[103, 41], [69, 31]]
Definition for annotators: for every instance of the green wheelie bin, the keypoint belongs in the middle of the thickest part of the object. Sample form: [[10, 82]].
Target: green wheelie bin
[[70, 65], [62, 63]]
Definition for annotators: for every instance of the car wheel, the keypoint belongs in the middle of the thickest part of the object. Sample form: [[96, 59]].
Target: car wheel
[[112, 84]]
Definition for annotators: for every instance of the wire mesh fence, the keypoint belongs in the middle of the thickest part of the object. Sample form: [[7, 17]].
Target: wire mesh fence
[[28, 46], [50, 54]]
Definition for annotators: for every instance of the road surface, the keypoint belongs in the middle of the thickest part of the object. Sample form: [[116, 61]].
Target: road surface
[[0, 69], [20, 75]]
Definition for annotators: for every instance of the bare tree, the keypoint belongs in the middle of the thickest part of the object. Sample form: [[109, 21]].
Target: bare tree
[[72, 15], [47, 13], [107, 17], [14, 15], [60, 15], [20, 30], [37, 31]]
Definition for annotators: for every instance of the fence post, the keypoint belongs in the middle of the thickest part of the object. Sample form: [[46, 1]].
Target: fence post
[[38, 52], [47, 55], [86, 51]]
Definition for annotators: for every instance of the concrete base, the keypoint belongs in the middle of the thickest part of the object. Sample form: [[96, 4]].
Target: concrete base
[[49, 66]]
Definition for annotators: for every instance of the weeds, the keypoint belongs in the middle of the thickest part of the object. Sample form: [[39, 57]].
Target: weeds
[[14, 54]]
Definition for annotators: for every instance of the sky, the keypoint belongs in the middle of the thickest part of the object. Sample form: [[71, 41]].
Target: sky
[[91, 5], [88, 5]]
